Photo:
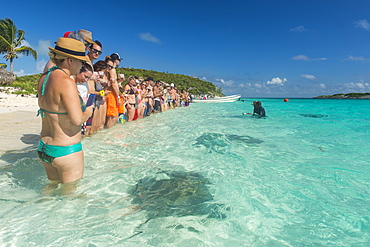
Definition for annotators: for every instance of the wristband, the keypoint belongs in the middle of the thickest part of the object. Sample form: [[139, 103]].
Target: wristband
[[102, 93]]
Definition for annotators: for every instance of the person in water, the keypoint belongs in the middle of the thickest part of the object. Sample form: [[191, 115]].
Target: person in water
[[258, 111], [62, 112]]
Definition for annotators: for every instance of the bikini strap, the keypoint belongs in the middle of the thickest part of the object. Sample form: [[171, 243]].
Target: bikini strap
[[47, 78], [42, 111]]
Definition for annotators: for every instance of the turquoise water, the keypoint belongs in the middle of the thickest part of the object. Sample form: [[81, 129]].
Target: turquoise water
[[287, 180]]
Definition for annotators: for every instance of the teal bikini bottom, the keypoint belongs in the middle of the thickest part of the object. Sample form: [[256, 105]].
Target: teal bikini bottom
[[48, 153]]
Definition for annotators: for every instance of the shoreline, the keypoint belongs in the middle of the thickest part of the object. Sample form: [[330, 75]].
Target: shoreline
[[19, 126]]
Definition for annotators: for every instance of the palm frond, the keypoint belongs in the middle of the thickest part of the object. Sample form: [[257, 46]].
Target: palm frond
[[3, 43], [8, 29], [24, 50], [20, 38], [11, 42]]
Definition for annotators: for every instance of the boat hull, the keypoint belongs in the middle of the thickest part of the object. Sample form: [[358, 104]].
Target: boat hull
[[230, 98]]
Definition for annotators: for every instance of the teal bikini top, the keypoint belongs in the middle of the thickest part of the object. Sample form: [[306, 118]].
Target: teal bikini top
[[42, 111]]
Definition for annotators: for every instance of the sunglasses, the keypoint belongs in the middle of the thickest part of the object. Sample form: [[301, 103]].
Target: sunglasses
[[82, 61], [109, 66], [96, 51]]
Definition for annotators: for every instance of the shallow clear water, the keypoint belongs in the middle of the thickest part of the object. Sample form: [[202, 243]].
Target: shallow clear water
[[287, 180]]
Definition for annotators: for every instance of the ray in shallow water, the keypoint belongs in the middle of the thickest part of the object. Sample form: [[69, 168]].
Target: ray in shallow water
[[176, 194], [221, 143]]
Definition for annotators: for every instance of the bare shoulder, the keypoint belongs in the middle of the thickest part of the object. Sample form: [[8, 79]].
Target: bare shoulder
[[112, 73], [63, 83]]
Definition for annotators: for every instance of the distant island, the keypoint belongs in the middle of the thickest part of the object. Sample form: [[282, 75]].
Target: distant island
[[345, 96]]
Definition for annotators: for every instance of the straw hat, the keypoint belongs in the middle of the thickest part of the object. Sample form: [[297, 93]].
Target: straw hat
[[87, 35], [74, 35], [71, 48]]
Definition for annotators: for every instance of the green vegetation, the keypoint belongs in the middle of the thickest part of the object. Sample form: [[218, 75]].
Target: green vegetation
[[27, 84], [345, 96], [196, 86], [11, 42], [3, 65]]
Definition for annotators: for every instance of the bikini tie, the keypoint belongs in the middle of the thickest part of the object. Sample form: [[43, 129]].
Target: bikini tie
[[46, 78], [42, 111]]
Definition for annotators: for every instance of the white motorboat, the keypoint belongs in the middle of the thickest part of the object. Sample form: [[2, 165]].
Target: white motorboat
[[230, 98]]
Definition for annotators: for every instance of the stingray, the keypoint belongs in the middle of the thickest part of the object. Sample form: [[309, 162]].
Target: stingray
[[176, 194], [313, 115], [221, 143]]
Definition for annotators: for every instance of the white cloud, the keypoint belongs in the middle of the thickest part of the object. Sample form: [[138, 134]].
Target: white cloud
[[25, 43], [301, 57], [19, 73], [276, 81], [226, 83], [43, 47], [323, 86], [309, 77], [352, 58], [257, 85], [40, 65], [149, 37], [306, 58], [299, 29], [357, 86], [364, 24]]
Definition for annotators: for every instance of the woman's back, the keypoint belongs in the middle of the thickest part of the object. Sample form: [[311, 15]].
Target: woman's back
[[57, 126]]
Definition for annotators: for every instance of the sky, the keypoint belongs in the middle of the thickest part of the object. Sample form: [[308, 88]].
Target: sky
[[256, 48]]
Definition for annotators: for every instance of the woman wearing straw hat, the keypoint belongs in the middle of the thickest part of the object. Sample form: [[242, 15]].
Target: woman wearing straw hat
[[63, 112]]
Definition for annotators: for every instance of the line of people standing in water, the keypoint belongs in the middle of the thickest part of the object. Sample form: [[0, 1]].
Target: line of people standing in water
[[63, 90]]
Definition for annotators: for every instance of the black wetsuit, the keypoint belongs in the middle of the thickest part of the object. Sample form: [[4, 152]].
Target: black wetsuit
[[259, 111]]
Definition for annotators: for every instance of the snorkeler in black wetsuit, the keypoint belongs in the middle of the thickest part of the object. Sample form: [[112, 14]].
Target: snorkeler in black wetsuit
[[258, 111]]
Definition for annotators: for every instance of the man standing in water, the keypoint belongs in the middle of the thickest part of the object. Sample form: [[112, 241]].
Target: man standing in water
[[94, 50], [258, 111], [157, 97], [113, 99]]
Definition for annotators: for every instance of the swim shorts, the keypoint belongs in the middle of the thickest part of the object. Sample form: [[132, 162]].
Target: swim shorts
[[112, 106]]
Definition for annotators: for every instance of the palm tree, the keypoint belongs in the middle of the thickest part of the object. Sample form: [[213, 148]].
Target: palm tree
[[10, 42]]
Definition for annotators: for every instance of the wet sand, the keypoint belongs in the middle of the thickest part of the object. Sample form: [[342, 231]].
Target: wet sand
[[19, 126]]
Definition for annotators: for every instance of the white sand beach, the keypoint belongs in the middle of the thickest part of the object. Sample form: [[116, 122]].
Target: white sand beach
[[19, 125]]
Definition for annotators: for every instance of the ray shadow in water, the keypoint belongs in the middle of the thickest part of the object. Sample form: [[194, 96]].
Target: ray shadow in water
[[13, 156], [30, 139], [314, 115], [23, 168], [176, 194], [221, 143]]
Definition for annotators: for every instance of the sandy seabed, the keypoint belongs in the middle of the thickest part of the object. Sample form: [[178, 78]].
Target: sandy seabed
[[19, 126]]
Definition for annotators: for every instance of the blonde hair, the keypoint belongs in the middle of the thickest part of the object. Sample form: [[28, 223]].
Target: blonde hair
[[57, 58], [132, 78]]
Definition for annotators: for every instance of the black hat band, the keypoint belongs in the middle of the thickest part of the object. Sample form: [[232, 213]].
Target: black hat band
[[70, 52]]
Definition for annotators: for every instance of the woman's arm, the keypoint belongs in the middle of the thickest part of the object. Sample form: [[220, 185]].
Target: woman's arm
[[72, 103], [113, 81]]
